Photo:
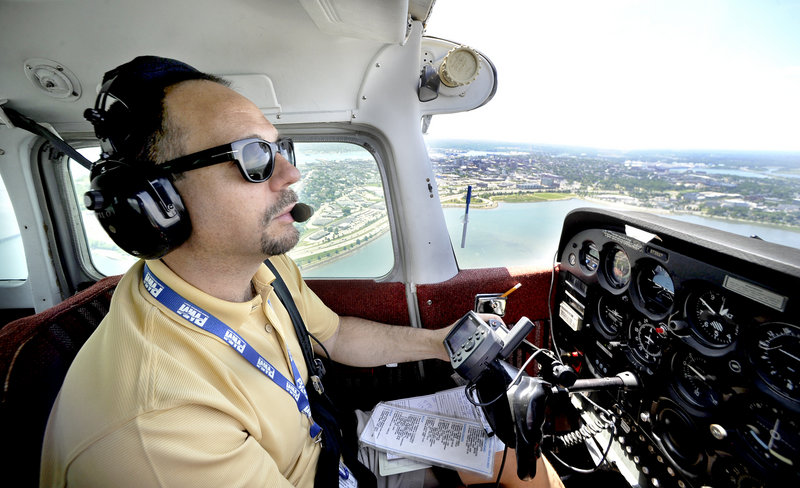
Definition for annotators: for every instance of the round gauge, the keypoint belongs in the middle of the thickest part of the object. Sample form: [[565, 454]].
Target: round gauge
[[655, 289], [694, 380], [678, 435], [647, 340], [777, 358], [772, 437], [617, 268], [612, 313], [590, 257], [712, 317]]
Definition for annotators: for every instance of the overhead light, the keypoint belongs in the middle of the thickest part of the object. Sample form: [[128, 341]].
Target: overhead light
[[53, 78]]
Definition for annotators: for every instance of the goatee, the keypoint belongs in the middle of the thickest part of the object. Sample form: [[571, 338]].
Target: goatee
[[280, 244]]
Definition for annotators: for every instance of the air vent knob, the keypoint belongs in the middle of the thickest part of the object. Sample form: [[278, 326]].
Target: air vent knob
[[53, 78]]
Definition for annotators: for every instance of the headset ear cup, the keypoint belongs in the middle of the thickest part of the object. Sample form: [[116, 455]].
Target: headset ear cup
[[141, 211]]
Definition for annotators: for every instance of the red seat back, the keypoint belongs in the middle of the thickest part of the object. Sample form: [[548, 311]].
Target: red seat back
[[35, 354]]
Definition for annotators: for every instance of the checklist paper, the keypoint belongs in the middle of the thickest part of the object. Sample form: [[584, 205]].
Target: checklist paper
[[432, 438]]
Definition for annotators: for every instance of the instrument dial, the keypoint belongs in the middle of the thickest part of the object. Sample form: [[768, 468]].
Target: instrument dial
[[713, 318], [695, 381], [772, 437], [612, 313], [647, 340], [777, 358], [617, 268], [590, 257], [656, 290], [678, 434]]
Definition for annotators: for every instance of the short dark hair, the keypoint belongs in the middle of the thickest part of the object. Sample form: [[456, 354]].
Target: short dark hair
[[136, 124], [165, 142]]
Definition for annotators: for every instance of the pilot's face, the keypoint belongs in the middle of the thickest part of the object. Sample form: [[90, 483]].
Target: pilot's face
[[231, 217]]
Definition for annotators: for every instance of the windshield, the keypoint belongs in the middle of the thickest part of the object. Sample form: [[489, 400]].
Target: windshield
[[679, 107]]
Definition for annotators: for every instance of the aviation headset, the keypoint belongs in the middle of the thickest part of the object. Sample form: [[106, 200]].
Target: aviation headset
[[135, 202]]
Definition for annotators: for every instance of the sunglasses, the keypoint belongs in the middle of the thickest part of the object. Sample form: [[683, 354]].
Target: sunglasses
[[255, 158]]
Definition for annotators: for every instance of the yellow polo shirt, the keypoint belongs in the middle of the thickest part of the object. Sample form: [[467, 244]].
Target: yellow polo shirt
[[152, 400]]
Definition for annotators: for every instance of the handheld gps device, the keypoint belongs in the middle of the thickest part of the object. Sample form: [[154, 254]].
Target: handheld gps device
[[473, 344]]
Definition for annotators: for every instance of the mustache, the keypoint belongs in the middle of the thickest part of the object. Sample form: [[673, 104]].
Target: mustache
[[287, 197]]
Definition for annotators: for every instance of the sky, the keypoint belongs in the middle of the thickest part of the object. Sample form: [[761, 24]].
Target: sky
[[632, 74]]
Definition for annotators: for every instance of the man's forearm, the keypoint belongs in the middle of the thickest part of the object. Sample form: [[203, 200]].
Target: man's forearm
[[360, 342]]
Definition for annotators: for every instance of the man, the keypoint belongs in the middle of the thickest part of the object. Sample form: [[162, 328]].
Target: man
[[154, 398]]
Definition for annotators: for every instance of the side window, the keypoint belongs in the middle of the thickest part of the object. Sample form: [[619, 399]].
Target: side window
[[106, 256], [348, 236], [516, 206], [12, 252], [520, 194]]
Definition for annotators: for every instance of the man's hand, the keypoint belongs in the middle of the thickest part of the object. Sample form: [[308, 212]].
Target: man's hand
[[486, 317]]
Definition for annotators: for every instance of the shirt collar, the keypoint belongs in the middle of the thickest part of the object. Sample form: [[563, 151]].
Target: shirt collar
[[262, 279], [233, 314]]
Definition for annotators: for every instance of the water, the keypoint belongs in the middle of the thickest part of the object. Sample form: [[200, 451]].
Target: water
[[516, 234], [528, 233], [373, 260], [770, 173], [765, 232], [731, 172], [513, 234]]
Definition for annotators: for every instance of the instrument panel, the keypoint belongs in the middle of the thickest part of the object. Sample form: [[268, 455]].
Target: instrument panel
[[710, 324]]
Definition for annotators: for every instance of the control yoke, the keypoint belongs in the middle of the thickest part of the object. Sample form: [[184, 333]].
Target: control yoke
[[513, 402]]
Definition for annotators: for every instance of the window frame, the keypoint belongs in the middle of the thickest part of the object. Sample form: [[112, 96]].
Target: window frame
[[375, 145], [72, 241], [44, 285], [69, 237]]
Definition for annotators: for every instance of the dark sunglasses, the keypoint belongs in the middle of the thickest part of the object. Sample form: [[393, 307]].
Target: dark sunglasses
[[255, 158]]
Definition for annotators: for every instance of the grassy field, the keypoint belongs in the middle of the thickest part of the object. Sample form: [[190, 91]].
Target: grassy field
[[532, 197], [490, 201]]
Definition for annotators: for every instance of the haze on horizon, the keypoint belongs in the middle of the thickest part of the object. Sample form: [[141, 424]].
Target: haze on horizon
[[631, 74]]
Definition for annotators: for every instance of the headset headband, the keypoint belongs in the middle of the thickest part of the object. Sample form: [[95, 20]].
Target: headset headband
[[129, 101], [97, 117]]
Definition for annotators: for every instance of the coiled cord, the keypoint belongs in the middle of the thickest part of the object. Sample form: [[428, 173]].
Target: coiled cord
[[586, 432], [605, 421]]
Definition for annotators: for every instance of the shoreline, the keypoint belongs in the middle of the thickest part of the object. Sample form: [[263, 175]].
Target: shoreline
[[667, 213], [636, 208], [613, 205], [342, 254]]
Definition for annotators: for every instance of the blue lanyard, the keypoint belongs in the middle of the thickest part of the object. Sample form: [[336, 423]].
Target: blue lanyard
[[204, 320]]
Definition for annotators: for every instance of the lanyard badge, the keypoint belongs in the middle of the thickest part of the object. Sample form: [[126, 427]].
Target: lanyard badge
[[208, 322]]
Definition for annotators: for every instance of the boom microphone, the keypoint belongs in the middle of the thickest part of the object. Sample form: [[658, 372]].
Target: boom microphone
[[301, 212]]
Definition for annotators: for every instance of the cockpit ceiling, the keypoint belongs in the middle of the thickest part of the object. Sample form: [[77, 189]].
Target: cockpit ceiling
[[297, 45]]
